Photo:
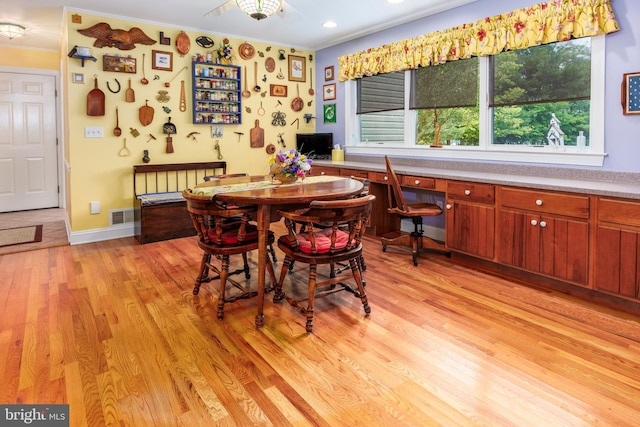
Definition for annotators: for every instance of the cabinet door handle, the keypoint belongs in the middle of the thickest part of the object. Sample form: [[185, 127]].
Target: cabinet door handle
[[543, 224], [352, 177], [386, 178], [534, 222], [321, 173], [539, 202], [467, 192], [416, 182], [448, 206]]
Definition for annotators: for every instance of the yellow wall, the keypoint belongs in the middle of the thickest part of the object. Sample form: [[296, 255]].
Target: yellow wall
[[99, 173], [29, 58]]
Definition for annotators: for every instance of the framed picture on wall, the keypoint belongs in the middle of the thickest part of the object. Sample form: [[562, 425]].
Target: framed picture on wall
[[161, 60], [77, 77], [297, 68], [329, 113], [278, 90], [328, 73], [631, 93], [119, 64], [329, 92]]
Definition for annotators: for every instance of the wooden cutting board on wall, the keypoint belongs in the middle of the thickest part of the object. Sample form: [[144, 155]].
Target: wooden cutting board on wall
[[95, 101], [257, 136], [145, 113]]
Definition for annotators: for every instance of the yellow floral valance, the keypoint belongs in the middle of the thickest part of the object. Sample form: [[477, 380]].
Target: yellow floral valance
[[542, 23]]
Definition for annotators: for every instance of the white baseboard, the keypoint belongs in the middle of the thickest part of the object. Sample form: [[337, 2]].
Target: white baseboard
[[101, 234]]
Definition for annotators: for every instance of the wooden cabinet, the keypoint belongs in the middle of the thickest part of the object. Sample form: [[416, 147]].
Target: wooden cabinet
[[470, 218], [216, 94], [577, 239], [544, 232], [617, 257]]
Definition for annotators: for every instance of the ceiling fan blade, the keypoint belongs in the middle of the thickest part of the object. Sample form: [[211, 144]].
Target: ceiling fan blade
[[221, 9]]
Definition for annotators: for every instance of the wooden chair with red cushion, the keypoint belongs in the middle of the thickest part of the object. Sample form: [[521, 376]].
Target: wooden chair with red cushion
[[340, 242], [236, 175], [222, 232], [398, 205]]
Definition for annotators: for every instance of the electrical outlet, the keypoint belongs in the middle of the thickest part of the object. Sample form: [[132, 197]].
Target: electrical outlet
[[94, 207], [92, 132]]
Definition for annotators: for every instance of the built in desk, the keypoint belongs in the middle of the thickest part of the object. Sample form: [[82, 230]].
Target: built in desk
[[573, 230]]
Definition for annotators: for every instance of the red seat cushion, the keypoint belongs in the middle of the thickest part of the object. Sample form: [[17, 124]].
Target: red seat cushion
[[230, 234], [323, 241]]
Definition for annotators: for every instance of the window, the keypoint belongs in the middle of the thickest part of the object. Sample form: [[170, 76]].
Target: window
[[446, 102], [381, 108], [534, 101], [535, 86]]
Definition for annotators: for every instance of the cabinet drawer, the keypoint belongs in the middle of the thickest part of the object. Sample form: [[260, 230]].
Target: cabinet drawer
[[483, 193], [324, 170], [379, 177], [546, 202], [417, 182], [353, 173], [621, 212]]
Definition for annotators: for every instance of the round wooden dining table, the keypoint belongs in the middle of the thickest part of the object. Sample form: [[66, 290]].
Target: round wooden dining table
[[269, 197]]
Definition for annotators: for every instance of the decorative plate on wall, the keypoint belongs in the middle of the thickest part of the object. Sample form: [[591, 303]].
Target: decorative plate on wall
[[183, 43], [270, 64], [246, 51], [204, 41]]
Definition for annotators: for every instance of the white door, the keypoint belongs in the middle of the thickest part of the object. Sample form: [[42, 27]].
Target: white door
[[28, 151]]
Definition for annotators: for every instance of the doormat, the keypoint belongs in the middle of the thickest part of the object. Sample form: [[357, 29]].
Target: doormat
[[20, 235]]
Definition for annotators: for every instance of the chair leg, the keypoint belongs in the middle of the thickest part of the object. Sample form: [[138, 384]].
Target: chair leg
[[363, 265], [308, 312], [272, 275], [416, 241], [204, 271], [224, 272], [416, 238], [278, 295], [357, 276], [247, 273], [272, 251], [343, 267]]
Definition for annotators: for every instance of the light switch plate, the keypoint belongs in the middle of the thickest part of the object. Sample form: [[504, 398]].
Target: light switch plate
[[92, 132]]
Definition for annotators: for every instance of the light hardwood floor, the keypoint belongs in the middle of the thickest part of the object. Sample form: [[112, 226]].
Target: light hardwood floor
[[113, 329]]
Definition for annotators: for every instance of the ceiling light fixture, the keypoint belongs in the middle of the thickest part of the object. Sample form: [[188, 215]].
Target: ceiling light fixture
[[394, 1], [259, 9], [11, 30], [329, 24]]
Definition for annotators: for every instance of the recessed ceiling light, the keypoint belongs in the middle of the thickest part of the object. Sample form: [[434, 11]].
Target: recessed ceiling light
[[394, 1], [329, 24]]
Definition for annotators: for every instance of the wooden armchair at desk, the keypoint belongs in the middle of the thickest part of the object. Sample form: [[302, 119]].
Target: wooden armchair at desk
[[398, 205]]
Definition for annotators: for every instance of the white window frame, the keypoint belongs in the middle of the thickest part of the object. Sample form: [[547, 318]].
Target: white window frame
[[568, 155]]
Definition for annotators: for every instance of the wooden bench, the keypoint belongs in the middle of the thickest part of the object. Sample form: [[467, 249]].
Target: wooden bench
[[160, 210]]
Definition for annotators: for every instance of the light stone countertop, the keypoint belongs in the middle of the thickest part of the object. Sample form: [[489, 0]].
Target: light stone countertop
[[585, 181]]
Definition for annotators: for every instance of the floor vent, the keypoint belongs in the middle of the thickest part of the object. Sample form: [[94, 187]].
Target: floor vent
[[121, 216]]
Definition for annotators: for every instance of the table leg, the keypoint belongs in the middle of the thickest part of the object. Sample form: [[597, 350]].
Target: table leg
[[263, 220]]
